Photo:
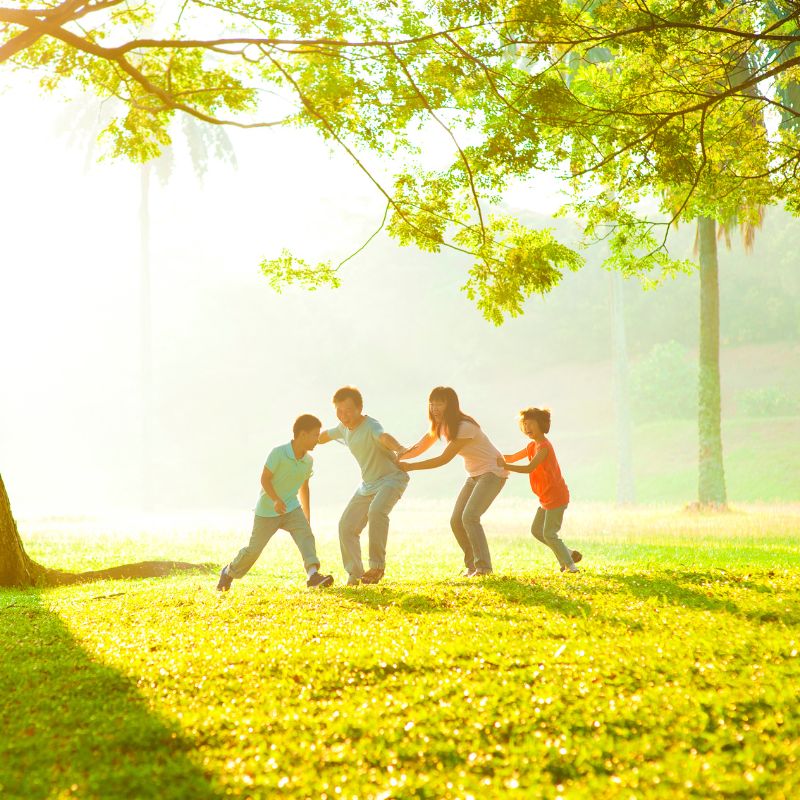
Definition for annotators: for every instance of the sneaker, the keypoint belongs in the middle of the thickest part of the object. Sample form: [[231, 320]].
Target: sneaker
[[372, 575], [479, 573], [571, 568], [576, 556], [318, 579], [225, 580], [467, 573], [353, 581]]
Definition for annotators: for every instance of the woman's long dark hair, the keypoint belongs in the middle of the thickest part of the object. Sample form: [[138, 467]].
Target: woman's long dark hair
[[453, 415]]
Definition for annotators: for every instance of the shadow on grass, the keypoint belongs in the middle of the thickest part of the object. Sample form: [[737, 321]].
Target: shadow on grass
[[73, 727], [528, 593], [384, 597], [672, 589]]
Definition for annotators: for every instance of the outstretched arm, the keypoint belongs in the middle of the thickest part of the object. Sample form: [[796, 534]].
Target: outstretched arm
[[517, 456], [324, 437], [419, 448], [390, 443], [431, 463], [540, 456]]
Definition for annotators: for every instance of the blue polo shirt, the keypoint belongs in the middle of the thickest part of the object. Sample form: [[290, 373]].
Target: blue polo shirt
[[378, 467], [289, 473]]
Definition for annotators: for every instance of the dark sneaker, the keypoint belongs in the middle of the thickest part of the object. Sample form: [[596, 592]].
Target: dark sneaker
[[372, 575], [353, 581], [576, 556], [225, 580], [318, 579]]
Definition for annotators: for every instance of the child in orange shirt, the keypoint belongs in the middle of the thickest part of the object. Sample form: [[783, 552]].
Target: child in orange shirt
[[547, 484]]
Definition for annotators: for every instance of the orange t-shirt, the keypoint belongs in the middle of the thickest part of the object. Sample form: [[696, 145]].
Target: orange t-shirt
[[546, 480]]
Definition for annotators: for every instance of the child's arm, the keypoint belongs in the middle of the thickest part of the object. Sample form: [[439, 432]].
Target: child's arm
[[540, 456], [269, 490], [517, 456], [304, 495]]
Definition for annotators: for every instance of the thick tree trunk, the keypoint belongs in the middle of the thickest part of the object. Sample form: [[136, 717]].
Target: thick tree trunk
[[15, 566], [17, 570], [626, 490], [711, 473]]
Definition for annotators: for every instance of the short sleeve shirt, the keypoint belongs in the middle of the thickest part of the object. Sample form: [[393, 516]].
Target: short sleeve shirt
[[547, 482], [376, 462], [289, 473], [479, 454]]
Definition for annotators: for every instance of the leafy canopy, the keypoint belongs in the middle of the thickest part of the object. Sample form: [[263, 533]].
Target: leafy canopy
[[650, 113]]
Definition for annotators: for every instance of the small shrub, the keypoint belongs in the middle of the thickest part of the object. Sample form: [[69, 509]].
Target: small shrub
[[767, 402], [664, 384]]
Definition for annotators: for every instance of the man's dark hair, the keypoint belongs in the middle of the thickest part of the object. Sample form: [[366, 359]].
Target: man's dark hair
[[352, 393], [305, 422]]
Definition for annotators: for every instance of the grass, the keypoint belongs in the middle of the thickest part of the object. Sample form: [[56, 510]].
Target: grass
[[762, 461], [668, 668]]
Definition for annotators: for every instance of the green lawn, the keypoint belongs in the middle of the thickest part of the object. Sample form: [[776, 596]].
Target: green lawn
[[669, 667], [762, 462]]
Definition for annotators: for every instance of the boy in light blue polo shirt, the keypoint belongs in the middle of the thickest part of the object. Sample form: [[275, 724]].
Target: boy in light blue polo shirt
[[383, 485], [287, 472]]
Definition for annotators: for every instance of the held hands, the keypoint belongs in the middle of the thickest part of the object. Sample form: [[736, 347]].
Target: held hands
[[280, 506]]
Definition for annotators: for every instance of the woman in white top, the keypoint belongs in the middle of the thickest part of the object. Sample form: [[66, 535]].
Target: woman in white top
[[485, 479]]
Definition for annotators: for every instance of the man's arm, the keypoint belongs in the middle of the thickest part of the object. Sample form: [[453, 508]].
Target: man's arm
[[448, 455], [269, 490], [304, 496], [390, 443], [324, 437], [540, 456]]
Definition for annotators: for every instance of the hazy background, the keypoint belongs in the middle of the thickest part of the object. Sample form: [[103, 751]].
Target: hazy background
[[234, 363]]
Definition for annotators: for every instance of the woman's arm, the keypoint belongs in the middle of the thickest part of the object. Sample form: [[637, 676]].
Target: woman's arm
[[540, 456], [431, 463], [419, 448], [517, 456]]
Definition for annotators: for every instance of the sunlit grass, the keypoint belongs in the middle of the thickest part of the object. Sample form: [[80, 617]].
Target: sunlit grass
[[668, 668]]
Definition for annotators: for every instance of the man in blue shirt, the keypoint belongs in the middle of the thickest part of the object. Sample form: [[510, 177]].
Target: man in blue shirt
[[383, 485], [287, 472]]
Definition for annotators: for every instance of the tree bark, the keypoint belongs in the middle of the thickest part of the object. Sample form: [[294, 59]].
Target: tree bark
[[18, 570], [15, 565], [626, 487], [711, 473]]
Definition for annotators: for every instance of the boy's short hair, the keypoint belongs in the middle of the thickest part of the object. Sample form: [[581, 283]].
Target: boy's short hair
[[349, 392], [305, 422]]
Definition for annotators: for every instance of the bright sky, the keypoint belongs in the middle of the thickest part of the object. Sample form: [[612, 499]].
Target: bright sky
[[232, 360]]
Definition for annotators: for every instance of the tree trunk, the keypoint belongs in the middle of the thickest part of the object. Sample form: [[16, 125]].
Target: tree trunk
[[626, 489], [17, 570], [145, 331], [711, 473], [15, 566]]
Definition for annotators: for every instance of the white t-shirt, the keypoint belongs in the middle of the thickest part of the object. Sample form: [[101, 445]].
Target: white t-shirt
[[480, 455]]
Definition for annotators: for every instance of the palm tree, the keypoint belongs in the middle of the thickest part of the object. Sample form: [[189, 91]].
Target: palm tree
[[203, 142]]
